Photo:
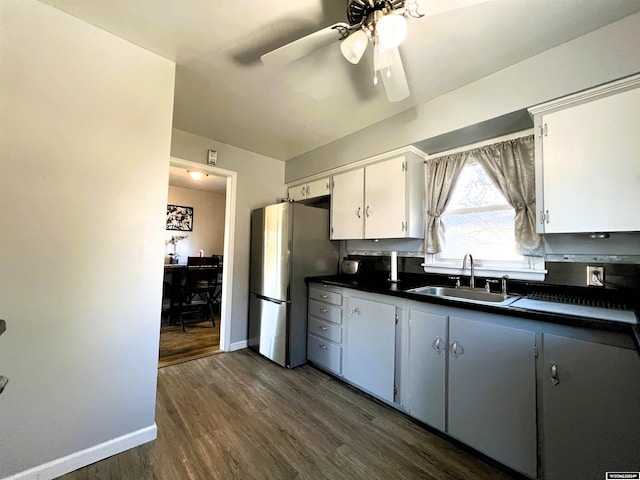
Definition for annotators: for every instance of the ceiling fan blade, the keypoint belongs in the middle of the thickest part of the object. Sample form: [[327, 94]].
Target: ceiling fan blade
[[305, 45], [395, 80]]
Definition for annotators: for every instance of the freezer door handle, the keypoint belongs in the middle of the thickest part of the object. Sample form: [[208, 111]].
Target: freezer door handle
[[272, 300]]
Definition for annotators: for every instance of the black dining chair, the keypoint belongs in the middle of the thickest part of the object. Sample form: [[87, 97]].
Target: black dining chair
[[198, 294]]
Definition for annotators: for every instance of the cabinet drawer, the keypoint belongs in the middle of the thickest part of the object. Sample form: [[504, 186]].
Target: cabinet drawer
[[325, 329], [324, 311], [324, 353], [325, 295]]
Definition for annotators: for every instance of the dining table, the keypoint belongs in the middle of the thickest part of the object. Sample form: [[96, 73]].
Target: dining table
[[174, 275]]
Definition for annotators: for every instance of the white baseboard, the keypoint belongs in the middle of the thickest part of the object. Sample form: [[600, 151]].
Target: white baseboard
[[238, 345], [61, 466]]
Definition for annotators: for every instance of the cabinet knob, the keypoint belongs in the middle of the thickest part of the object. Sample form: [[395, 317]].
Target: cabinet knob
[[323, 310], [322, 346], [554, 374], [322, 327]]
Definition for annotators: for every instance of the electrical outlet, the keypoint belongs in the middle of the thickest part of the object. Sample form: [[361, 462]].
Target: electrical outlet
[[595, 276]]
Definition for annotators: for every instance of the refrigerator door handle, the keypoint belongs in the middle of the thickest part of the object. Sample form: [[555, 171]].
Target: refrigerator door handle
[[272, 300]]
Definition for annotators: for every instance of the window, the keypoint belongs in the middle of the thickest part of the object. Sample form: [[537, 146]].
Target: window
[[479, 220]]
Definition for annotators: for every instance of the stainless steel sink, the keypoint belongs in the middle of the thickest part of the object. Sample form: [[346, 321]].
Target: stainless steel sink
[[473, 295]]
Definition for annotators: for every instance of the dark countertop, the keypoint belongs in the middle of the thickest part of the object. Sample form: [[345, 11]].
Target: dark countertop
[[379, 284]]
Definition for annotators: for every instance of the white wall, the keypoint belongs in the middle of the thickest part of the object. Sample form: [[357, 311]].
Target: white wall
[[603, 55], [260, 183], [208, 223], [85, 125]]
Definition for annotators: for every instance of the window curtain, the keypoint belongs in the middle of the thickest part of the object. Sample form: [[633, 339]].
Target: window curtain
[[440, 178], [511, 166]]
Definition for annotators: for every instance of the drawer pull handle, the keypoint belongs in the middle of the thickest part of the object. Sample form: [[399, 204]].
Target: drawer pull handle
[[322, 327], [324, 296], [322, 345], [324, 310]]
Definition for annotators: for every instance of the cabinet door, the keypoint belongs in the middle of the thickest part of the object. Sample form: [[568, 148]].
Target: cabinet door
[[590, 417], [369, 350], [298, 192], [347, 216], [385, 199], [427, 358], [492, 391], [318, 188], [591, 165]]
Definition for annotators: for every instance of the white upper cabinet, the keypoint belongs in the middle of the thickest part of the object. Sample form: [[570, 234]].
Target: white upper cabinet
[[347, 216], [311, 190], [381, 200], [588, 160]]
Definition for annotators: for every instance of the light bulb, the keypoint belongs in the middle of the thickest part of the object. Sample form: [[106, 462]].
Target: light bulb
[[391, 30], [354, 45], [196, 175]]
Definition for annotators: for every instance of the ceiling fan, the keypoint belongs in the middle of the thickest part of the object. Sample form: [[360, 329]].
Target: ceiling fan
[[379, 22]]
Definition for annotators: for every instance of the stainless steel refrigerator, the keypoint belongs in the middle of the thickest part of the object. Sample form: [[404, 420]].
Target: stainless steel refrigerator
[[289, 242]]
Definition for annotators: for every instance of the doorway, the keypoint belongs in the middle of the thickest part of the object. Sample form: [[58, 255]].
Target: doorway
[[212, 199]]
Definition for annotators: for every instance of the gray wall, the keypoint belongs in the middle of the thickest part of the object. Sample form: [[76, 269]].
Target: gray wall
[[606, 54], [260, 183], [85, 120]]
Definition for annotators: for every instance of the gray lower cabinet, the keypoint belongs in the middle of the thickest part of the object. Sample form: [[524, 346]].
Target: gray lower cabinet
[[475, 376], [427, 357], [492, 391], [324, 328], [590, 409], [369, 351]]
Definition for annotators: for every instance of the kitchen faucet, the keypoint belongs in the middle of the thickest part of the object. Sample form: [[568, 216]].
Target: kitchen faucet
[[472, 277]]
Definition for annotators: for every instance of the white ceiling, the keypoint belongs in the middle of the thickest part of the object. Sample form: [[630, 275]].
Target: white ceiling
[[225, 93]]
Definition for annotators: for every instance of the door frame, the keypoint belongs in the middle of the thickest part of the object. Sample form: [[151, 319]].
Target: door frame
[[229, 241]]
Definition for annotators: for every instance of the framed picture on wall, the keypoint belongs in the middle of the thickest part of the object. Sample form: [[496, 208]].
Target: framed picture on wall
[[179, 218]]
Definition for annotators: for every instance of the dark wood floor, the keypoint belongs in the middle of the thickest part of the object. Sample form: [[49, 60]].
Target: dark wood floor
[[237, 415], [200, 339]]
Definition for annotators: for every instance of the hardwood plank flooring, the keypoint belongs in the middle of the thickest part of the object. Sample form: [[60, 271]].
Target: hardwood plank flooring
[[200, 339], [240, 416]]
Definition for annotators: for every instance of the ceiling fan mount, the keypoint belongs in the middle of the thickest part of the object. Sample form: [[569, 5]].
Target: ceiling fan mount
[[380, 22], [360, 11]]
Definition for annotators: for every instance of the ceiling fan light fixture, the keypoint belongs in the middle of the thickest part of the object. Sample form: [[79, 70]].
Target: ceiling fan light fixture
[[391, 30], [383, 57], [354, 46]]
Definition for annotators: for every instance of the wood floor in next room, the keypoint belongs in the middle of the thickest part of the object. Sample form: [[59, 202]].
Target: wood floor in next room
[[199, 340], [238, 416]]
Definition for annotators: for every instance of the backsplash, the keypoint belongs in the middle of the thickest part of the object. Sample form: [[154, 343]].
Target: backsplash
[[573, 274]]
